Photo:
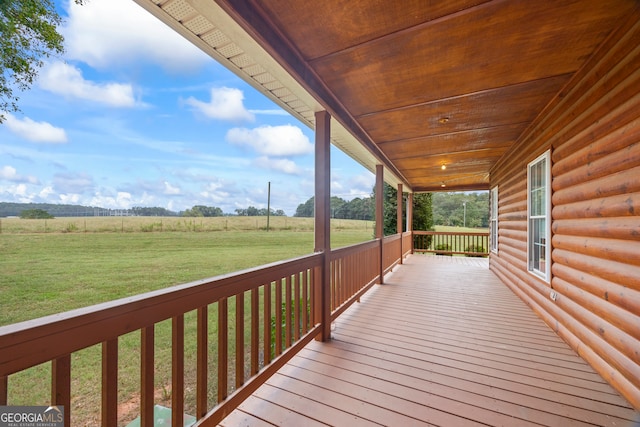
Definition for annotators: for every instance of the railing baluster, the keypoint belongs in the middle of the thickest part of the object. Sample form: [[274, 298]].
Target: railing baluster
[[255, 331], [202, 362], [305, 300], [338, 285], [110, 383], [61, 385], [4, 390], [287, 312], [267, 324], [223, 349], [177, 371], [296, 305], [278, 314], [315, 295], [146, 376], [239, 340]]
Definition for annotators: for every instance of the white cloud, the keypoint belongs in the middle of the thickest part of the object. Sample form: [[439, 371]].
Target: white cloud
[[16, 193], [225, 104], [10, 173], [286, 140], [67, 80], [361, 185], [170, 190], [104, 33], [69, 199], [35, 131], [122, 200], [46, 192], [216, 193], [282, 165]]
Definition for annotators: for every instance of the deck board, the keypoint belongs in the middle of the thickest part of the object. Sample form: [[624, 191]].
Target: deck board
[[443, 343]]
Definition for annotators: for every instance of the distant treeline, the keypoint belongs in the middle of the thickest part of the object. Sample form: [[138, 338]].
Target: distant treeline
[[355, 209], [54, 210], [452, 209]]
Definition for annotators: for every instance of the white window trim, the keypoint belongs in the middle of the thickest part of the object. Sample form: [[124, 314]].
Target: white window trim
[[546, 274], [493, 210]]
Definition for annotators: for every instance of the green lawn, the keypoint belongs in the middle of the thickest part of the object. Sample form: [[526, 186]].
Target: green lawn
[[47, 270]]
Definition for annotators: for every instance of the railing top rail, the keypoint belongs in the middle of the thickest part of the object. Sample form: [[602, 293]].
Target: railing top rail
[[32, 342], [352, 249], [392, 237], [452, 233]]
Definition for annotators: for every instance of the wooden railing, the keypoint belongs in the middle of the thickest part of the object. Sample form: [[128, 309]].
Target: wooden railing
[[277, 304], [450, 243], [391, 251], [407, 243], [353, 270]]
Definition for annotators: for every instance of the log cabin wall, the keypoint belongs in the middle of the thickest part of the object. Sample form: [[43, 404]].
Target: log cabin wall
[[592, 128]]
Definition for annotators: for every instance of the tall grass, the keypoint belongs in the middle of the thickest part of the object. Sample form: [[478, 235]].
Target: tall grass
[[104, 224]]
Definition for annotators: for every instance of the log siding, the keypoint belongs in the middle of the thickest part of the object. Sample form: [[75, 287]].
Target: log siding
[[593, 130]]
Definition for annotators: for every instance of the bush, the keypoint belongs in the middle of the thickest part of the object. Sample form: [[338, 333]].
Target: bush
[[475, 248], [35, 214], [148, 228], [443, 249]]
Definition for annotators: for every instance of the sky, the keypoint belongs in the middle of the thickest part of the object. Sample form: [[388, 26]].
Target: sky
[[134, 115]]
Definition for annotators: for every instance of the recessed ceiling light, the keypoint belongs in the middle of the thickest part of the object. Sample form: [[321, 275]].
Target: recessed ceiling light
[[443, 185], [443, 120], [443, 167]]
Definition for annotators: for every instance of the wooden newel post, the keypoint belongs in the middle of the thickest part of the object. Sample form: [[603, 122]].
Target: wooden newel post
[[410, 218], [399, 217], [323, 221], [380, 216]]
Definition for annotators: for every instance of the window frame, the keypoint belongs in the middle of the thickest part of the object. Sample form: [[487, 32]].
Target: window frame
[[493, 219], [540, 267]]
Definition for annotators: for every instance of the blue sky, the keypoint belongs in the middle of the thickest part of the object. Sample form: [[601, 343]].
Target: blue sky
[[134, 115]]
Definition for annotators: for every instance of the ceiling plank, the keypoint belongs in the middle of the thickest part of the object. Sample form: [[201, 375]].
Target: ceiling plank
[[502, 44], [499, 137]]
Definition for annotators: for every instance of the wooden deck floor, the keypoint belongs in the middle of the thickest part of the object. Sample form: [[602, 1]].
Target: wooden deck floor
[[443, 342]]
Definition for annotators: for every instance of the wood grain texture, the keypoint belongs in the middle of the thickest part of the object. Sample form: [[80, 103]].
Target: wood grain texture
[[594, 131], [439, 73], [442, 342]]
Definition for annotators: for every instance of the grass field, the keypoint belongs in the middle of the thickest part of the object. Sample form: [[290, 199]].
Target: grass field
[[46, 273], [50, 266], [57, 265], [145, 224]]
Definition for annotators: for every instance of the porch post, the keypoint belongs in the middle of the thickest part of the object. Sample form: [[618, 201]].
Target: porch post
[[410, 217], [380, 215], [399, 217], [323, 220]]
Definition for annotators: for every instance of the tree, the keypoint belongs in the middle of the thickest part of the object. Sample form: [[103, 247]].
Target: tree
[[35, 214], [28, 35], [422, 210], [459, 209], [355, 209], [305, 210]]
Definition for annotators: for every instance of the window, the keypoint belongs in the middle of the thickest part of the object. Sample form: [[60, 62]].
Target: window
[[493, 219], [539, 215]]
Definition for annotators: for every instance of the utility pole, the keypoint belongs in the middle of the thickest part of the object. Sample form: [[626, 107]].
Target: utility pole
[[464, 215], [268, 203]]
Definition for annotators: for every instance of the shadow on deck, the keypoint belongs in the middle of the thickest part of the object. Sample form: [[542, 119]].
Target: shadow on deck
[[443, 342]]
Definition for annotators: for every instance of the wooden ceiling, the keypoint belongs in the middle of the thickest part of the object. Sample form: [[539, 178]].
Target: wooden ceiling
[[427, 83]]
